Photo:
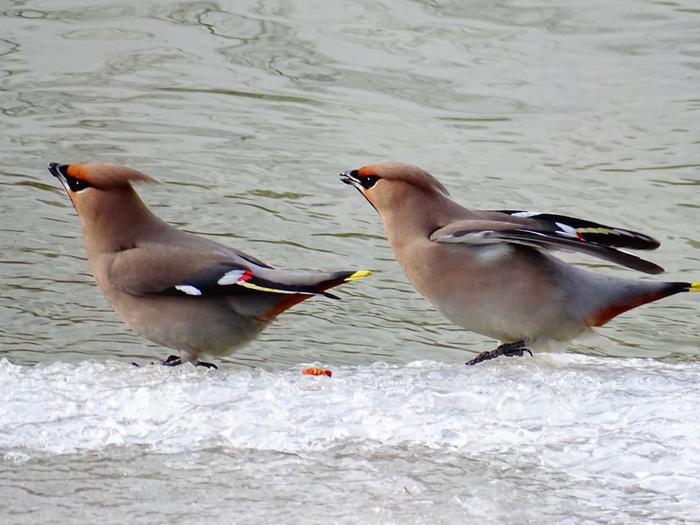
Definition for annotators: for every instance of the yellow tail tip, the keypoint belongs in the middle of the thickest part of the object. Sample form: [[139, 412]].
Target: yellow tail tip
[[358, 275], [694, 287]]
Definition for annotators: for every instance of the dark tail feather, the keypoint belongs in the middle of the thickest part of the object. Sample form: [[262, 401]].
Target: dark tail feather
[[336, 279], [667, 289], [341, 278]]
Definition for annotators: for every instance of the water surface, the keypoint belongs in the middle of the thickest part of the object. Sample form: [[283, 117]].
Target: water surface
[[246, 112]]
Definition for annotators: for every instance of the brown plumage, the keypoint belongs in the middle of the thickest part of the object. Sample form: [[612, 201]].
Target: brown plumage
[[174, 288], [490, 271]]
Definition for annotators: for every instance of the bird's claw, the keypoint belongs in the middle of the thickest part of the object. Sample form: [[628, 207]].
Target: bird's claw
[[174, 360], [506, 349], [517, 352]]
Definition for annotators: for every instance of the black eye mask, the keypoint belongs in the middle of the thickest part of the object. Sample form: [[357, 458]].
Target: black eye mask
[[76, 184], [368, 181]]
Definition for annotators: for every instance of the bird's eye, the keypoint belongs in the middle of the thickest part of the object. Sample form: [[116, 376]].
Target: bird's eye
[[75, 184], [368, 181]]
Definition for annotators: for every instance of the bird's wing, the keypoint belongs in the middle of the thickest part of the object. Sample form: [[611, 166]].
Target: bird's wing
[[162, 269], [177, 270], [480, 232], [587, 231]]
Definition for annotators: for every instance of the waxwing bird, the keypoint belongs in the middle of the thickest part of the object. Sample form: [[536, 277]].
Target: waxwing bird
[[491, 272], [174, 288]]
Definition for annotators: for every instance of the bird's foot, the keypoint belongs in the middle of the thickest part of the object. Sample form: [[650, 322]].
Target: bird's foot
[[507, 349], [174, 360]]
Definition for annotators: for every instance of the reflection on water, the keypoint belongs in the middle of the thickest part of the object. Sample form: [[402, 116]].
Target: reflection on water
[[247, 110]]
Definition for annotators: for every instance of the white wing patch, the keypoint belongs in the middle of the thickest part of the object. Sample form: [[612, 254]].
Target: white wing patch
[[567, 230], [231, 277], [525, 214], [188, 289]]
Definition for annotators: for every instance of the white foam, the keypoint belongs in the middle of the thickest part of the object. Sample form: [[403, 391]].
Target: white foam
[[582, 413]]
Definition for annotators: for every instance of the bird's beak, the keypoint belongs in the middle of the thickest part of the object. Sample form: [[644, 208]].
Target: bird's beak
[[350, 177], [58, 171]]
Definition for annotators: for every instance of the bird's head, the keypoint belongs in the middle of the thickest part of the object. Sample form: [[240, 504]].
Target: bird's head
[[96, 189], [387, 186], [111, 213]]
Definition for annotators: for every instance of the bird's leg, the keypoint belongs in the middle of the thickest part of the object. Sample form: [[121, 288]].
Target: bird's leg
[[174, 360], [507, 349], [207, 365]]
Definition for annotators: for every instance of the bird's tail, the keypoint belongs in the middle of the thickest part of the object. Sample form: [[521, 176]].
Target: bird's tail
[[643, 296], [294, 287], [339, 278], [299, 282]]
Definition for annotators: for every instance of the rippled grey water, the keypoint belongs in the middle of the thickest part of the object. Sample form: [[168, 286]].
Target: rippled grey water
[[245, 111]]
